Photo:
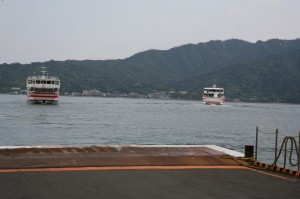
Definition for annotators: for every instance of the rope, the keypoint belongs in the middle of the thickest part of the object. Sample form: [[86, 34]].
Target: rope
[[285, 135], [242, 161], [264, 132], [279, 133], [284, 144]]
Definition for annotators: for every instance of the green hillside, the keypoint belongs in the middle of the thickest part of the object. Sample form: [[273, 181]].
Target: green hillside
[[275, 78], [261, 71]]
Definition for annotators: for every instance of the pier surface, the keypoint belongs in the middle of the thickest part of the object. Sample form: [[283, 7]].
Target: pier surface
[[115, 155], [136, 171]]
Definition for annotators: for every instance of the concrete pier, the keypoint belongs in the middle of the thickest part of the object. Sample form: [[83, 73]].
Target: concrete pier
[[136, 171]]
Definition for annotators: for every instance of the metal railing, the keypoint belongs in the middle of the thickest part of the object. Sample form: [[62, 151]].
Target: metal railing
[[294, 149]]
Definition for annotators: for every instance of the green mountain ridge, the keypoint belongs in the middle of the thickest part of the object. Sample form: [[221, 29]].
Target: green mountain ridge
[[261, 71], [275, 78]]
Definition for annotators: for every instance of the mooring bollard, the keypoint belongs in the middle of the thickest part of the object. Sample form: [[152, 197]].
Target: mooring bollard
[[249, 151]]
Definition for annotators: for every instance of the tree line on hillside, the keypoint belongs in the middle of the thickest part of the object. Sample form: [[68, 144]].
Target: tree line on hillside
[[261, 71]]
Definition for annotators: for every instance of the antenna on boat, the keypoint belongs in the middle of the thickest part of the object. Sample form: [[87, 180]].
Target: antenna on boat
[[43, 71]]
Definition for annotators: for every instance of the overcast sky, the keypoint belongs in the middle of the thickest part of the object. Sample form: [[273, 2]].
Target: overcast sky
[[40, 30]]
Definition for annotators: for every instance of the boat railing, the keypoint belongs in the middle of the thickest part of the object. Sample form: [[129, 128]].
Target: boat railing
[[43, 77]]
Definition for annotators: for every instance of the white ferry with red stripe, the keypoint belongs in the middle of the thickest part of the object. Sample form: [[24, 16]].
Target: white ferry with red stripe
[[213, 95], [43, 88]]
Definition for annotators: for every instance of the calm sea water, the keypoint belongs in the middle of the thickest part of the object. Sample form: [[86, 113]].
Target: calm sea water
[[94, 121]]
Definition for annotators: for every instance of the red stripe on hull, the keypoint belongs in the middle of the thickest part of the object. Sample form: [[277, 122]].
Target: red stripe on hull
[[209, 102], [43, 96]]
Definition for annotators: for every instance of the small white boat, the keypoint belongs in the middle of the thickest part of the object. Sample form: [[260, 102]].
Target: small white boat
[[43, 88], [213, 95]]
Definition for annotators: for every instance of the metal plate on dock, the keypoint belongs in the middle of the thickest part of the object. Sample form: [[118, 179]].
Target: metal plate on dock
[[112, 155]]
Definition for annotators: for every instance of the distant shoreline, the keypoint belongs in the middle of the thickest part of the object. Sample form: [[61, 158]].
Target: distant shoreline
[[185, 99]]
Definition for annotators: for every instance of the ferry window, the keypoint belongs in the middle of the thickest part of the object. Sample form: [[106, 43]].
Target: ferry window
[[38, 81], [43, 82], [52, 82], [42, 89], [31, 88], [56, 82], [48, 82], [55, 89], [211, 95], [29, 81], [33, 82]]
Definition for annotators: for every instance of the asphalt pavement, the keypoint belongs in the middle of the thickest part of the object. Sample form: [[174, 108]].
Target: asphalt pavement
[[136, 172], [148, 183]]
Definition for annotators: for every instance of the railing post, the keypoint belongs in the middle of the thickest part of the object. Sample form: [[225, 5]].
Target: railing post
[[256, 143], [299, 153], [286, 143], [276, 142]]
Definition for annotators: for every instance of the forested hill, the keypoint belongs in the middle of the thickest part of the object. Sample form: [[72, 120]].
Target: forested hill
[[261, 71]]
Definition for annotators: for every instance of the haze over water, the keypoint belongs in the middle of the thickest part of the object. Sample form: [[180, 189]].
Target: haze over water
[[97, 121]]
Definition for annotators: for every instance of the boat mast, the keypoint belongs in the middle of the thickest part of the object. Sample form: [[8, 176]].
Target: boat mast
[[43, 71]]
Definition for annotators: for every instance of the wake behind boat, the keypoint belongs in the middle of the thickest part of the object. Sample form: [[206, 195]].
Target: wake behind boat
[[213, 95], [43, 88]]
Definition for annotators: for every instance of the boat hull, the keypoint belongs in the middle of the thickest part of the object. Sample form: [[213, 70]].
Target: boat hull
[[213, 101], [42, 98]]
